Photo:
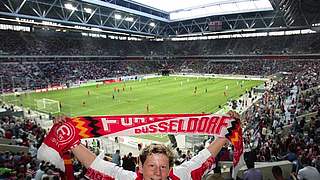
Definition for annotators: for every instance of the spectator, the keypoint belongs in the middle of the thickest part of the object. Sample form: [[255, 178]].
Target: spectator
[[277, 173], [40, 172], [308, 172], [251, 173], [129, 162], [116, 158]]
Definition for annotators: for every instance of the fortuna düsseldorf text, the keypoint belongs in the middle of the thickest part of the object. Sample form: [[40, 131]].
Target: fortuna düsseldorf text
[[205, 125]]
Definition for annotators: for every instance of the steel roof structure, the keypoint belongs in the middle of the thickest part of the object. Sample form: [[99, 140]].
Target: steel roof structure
[[131, 18]]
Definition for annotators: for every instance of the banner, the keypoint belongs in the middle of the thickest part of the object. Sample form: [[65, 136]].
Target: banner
[[54, 88], [110, 81]]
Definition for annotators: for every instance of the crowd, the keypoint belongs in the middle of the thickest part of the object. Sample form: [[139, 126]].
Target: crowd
[[31, 76], [285, 104], [255, 67], [58, 43], [278, 127], [21, 163], [283, 125], [42, 75]]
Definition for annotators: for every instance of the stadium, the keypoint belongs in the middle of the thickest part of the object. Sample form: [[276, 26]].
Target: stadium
[[136, 59]]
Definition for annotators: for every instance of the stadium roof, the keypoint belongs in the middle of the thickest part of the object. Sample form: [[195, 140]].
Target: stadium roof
[[151, 18], [190, 9]]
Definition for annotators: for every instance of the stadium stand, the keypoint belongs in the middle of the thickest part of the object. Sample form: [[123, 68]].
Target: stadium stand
[[33, 75], [53, 43], [284, 105]]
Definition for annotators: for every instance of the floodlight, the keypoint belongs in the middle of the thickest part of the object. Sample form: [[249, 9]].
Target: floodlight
[[70, 6], [117, 16], [152, 24], [129, 19], [88, 10]]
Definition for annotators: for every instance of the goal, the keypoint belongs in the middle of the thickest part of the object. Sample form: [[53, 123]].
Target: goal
[[48, 105]]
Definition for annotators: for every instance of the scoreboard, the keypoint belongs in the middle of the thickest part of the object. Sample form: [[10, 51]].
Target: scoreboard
[[215, 25]]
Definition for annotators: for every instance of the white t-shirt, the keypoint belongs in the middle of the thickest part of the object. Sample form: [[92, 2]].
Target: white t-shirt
[[308, 173], [189, 170]]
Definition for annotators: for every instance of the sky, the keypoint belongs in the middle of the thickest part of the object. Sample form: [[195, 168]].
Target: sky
[[172, 5]]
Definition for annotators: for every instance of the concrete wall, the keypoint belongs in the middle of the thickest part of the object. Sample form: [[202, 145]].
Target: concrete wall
[[13, 148], [265, 167]]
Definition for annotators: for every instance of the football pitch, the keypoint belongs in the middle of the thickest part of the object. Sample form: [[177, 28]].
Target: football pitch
[[148, 96]]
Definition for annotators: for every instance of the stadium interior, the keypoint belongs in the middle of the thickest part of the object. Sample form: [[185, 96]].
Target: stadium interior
[[51, 45]]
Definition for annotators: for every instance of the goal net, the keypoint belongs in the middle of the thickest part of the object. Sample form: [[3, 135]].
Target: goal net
[[48, 105]]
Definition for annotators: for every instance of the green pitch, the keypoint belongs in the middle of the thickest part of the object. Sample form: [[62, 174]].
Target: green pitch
[[151, 96]]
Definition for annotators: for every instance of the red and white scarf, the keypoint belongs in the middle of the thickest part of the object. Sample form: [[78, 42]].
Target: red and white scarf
[[130, 125]]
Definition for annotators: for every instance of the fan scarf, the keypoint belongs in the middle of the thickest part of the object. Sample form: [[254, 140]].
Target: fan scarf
[[130, 125]]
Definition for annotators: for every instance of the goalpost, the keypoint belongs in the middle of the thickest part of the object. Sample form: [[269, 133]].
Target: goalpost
[[48, 105]]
